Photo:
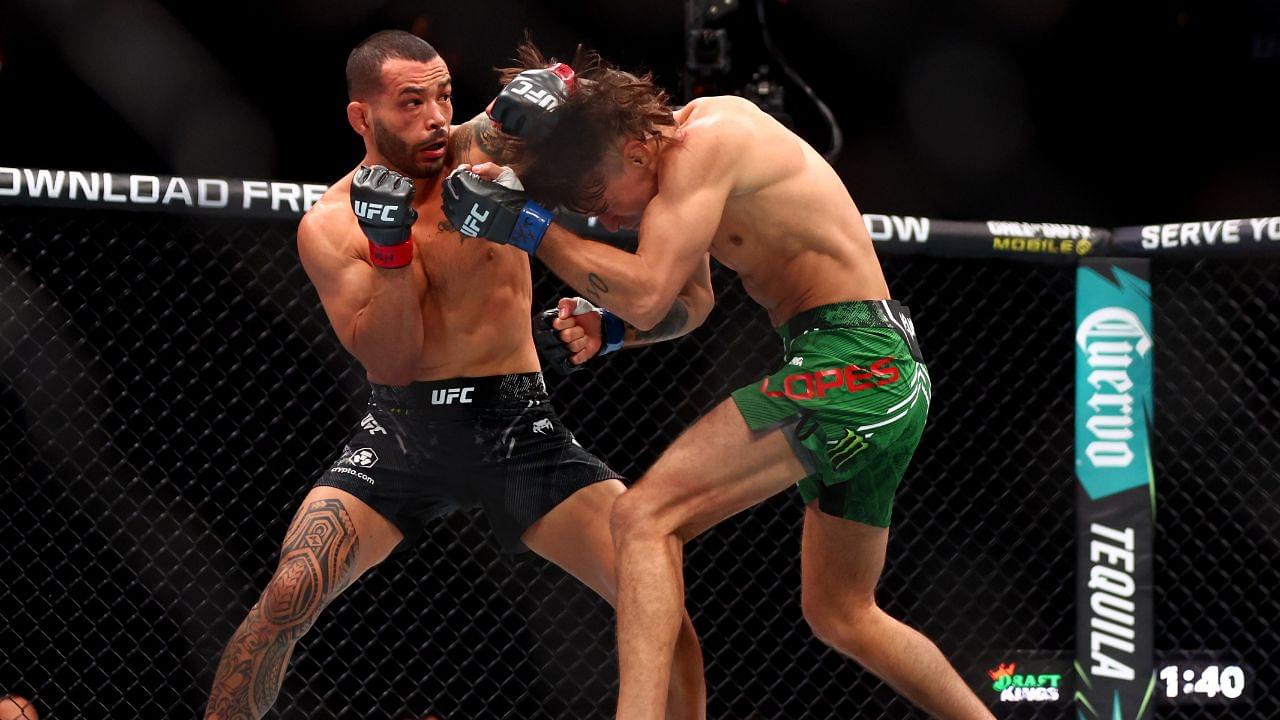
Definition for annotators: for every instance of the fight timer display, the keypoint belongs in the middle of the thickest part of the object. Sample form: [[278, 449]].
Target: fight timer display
[[1203, 683]]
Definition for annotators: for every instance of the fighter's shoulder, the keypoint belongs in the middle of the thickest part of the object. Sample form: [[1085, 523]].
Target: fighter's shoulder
[[713, 140], [715, 129], [722, 120], [328, 224]]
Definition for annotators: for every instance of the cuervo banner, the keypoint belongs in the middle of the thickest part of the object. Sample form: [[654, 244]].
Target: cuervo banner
[[1115, 490]]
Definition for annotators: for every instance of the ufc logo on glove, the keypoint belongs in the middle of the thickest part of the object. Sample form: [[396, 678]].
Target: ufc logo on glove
[[544, 99], [471, 226], [374, 211]]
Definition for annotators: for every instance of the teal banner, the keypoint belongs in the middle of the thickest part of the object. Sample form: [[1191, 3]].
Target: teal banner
[[1115, 496], [1114, 354]]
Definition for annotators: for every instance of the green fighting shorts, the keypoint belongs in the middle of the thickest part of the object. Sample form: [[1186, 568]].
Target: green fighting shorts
[[852, 397]]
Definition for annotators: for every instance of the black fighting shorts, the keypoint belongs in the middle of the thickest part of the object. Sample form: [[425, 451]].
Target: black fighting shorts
[[429, 448]]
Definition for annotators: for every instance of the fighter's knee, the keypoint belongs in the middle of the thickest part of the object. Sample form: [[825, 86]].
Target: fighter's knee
[[635, 514], [626, 516], [837, 621], [294, 598]]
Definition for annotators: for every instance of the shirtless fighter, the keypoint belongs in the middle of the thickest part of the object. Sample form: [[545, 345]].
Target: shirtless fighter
[[458, 416], [843, 414]]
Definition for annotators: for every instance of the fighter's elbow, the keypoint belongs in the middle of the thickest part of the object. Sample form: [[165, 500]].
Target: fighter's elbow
[[697, 316], [390, 371], [401, 379], [643, 321], [650, 311], [385, 361], [699, 306]]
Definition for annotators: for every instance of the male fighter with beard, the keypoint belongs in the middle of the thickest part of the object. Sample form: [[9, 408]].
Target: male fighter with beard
[[458, 415], [841, 416]]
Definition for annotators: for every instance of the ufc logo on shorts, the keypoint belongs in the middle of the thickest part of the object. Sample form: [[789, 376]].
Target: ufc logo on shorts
[[910, 327], [903, 323], [471, 226], [543, 98], [375, 211], [368, 423], [451, 395]]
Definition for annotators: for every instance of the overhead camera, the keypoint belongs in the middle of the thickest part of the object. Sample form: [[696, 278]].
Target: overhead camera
[[767, 94], [708, 50], [716, 9]]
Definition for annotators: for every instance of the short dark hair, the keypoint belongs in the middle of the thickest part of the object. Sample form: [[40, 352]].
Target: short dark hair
[[364, 64], [606, 104]]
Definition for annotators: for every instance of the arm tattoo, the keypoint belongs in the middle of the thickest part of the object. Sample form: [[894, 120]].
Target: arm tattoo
[[486, 138], [478, 133], [459, 151], [671, 326], [597, 288], [459, 147], [317, 561]]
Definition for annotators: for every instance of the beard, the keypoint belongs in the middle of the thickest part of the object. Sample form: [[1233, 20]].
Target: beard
[[403, 155]]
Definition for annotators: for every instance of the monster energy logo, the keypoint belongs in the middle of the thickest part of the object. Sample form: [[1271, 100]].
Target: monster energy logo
[[845, 448]]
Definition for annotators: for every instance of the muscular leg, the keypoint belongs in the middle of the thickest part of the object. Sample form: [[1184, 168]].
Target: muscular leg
[[332, 540], [718, 467], [575, 536], [840, 564]]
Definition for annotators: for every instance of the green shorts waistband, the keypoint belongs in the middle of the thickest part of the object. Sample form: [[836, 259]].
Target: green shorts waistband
[[860, 313]]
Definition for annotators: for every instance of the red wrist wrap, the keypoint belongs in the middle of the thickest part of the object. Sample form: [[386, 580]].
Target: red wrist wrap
[[391, 256], [565, 73]]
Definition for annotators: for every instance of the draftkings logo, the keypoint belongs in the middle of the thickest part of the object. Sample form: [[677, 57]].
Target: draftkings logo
[[1014, 687]]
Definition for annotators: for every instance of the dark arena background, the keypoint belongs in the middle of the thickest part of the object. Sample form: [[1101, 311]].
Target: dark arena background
[[170, 387]]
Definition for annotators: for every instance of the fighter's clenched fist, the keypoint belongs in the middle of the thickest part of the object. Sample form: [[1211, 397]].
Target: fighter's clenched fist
[[496, 210], [575, 331], [381, 199], [526, 106]]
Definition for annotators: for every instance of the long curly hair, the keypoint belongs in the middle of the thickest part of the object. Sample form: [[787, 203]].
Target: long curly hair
[[569, 167]]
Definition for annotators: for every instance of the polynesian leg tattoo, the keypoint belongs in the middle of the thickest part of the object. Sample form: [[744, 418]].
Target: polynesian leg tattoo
[[316, 564]]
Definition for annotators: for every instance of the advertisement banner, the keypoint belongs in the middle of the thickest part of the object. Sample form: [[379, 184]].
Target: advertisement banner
[[231, 197], [1025, 683], [1236, 237], [1040, 242], [1115, 491]]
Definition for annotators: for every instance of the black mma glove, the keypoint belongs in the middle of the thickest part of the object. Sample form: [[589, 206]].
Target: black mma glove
[[493, 211], [526, 106], [554, 352], [381, 199], [551, 349]]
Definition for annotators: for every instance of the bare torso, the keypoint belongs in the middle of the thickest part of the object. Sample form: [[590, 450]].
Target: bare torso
[[789, 228], [475, 295]]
